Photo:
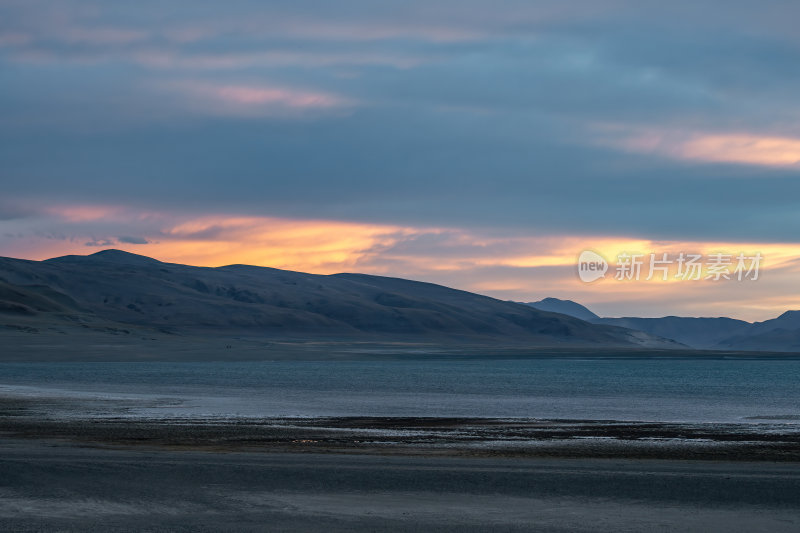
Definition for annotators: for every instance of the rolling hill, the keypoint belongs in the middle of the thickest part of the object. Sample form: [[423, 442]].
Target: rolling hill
[[116, 290]]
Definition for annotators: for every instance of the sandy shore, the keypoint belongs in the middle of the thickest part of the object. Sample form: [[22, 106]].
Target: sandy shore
[[48, 486]]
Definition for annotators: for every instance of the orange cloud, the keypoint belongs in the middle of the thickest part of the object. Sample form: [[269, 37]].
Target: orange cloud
[[507, 267], [305, 245], [740, 148], [748, 149]]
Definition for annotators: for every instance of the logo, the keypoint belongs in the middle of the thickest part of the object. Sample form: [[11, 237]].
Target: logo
[[668, 266], [591, 266]]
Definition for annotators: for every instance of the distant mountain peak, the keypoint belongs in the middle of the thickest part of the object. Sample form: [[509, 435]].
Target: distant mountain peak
[[565, 307], [551, 300], [113, 253], [108, 256]]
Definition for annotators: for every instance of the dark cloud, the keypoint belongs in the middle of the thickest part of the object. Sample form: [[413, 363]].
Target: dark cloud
[[99, 242], [447, 113], [133, 240], [10, 211]]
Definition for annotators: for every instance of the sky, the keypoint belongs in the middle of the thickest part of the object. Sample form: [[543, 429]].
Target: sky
[[480, 145]]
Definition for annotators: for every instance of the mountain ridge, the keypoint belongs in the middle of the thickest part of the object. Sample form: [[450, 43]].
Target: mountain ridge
[[128, 290], [707, 333]]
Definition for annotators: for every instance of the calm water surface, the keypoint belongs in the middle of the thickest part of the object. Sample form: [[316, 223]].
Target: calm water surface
[[603, 389]]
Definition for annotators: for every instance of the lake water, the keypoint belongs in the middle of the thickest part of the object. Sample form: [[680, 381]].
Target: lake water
[[679, 390]]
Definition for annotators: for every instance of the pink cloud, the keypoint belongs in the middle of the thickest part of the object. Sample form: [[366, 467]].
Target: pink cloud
[[286, 97], [83, 213], [254, 100], [172, 59], [743, 148], [716, 147]]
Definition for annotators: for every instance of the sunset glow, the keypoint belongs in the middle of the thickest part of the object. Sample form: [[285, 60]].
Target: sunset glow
[[748, 149], [479, 148], [508, 267]]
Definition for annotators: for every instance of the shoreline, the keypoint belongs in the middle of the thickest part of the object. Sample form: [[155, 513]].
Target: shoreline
[[435, 436], [89, 346], [65, 470]]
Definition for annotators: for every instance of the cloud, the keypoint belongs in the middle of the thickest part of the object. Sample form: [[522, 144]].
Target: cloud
[[504, 264], [254, 100], [11, 38], [449, 140], [744, 148], [100, 243], [132, 240], [103, 36], [14, 211], [83, 213], [734, 147], [254, 96], [278, 58]]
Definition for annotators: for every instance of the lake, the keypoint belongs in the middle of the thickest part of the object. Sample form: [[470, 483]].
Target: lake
[[663, 390]]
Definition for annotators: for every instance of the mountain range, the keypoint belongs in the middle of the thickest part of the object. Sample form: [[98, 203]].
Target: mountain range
[[119, 292], [720, 333]]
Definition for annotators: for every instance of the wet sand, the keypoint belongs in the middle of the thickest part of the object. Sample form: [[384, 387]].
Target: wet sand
[[68, 465], [50, 486]]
